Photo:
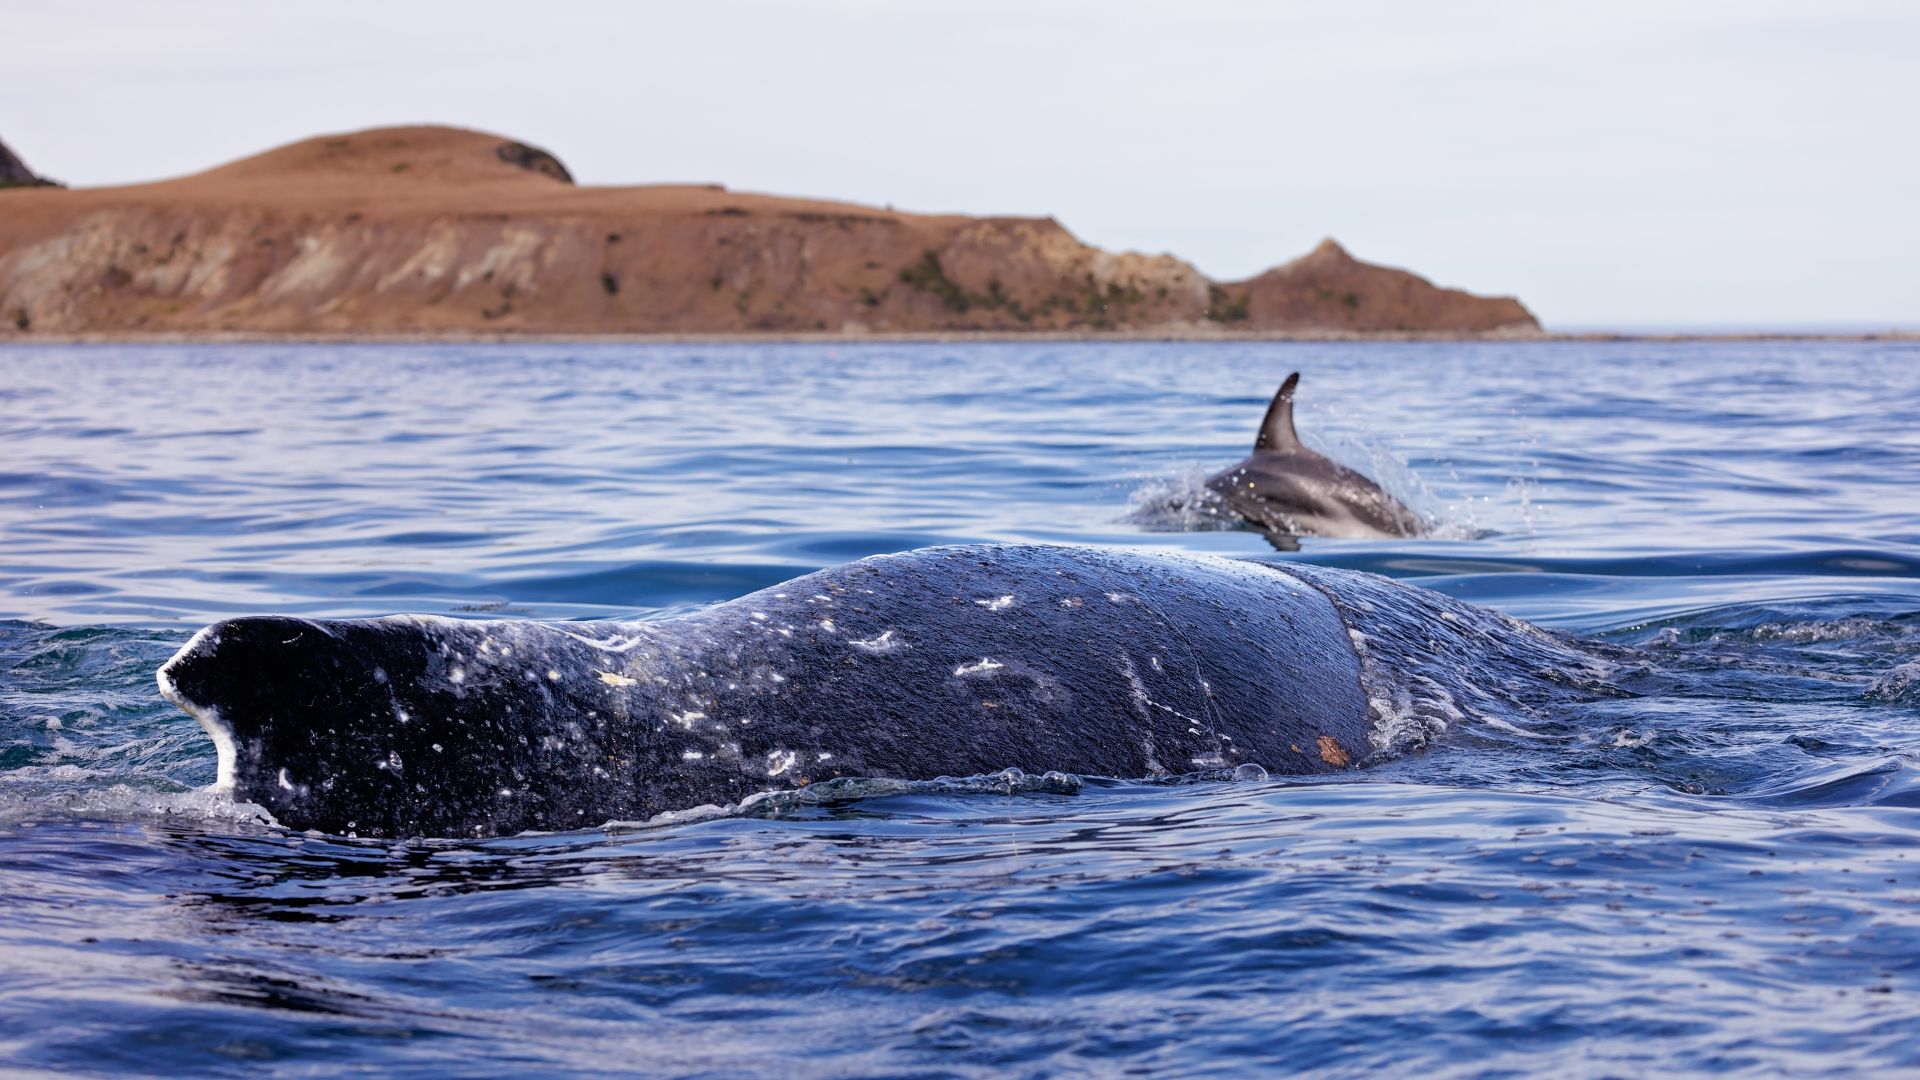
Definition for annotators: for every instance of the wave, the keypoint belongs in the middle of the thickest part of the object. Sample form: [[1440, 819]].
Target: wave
[[32, 796], [1179, 502]]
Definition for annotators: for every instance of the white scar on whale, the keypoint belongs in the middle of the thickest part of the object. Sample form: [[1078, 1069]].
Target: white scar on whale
[[208, 716]]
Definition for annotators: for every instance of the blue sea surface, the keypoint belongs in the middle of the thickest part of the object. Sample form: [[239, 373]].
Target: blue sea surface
[[1716, 872]]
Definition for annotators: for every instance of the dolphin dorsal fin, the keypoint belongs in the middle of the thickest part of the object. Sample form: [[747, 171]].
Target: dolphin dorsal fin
[[1276, 431]]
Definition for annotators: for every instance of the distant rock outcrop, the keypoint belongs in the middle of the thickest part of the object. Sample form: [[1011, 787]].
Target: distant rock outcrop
[[433, 230], [14, 172], [1328, 289], [535, 159]]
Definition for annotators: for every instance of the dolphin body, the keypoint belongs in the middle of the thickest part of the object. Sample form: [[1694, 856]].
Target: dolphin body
[[1288, 490], [949, 661]]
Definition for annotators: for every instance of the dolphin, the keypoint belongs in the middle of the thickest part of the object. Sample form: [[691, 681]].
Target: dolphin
[[953, 661], [1288, 490]]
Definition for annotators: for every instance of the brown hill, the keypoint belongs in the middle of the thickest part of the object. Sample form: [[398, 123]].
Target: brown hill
[[1328, 289], [441, 230]]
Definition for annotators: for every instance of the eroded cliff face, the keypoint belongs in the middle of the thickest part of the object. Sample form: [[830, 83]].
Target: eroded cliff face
[[436, 230]]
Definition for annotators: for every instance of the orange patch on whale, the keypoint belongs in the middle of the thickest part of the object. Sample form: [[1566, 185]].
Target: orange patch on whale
[[1331, 753]]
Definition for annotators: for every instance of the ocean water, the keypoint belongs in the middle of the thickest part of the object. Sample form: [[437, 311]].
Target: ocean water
[[1716, 871]]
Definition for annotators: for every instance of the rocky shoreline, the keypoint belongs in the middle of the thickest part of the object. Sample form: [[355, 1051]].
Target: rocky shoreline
[[1197, 337]]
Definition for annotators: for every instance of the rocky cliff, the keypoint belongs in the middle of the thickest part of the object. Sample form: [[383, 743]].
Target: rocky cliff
[[437, 230], [14, 172]]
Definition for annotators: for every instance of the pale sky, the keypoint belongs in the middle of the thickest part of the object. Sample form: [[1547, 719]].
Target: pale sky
[[1621, 164]]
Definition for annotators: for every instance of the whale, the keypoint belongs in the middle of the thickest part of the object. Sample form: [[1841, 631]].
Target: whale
[[1286, 489], [942, 662]]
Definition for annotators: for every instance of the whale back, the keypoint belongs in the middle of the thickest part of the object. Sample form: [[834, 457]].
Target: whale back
[[942, 662]]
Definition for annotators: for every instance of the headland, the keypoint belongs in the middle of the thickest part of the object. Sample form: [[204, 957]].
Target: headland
[[437, 233]]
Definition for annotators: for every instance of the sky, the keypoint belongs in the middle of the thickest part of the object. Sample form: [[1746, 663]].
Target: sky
[[1627, 165]]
